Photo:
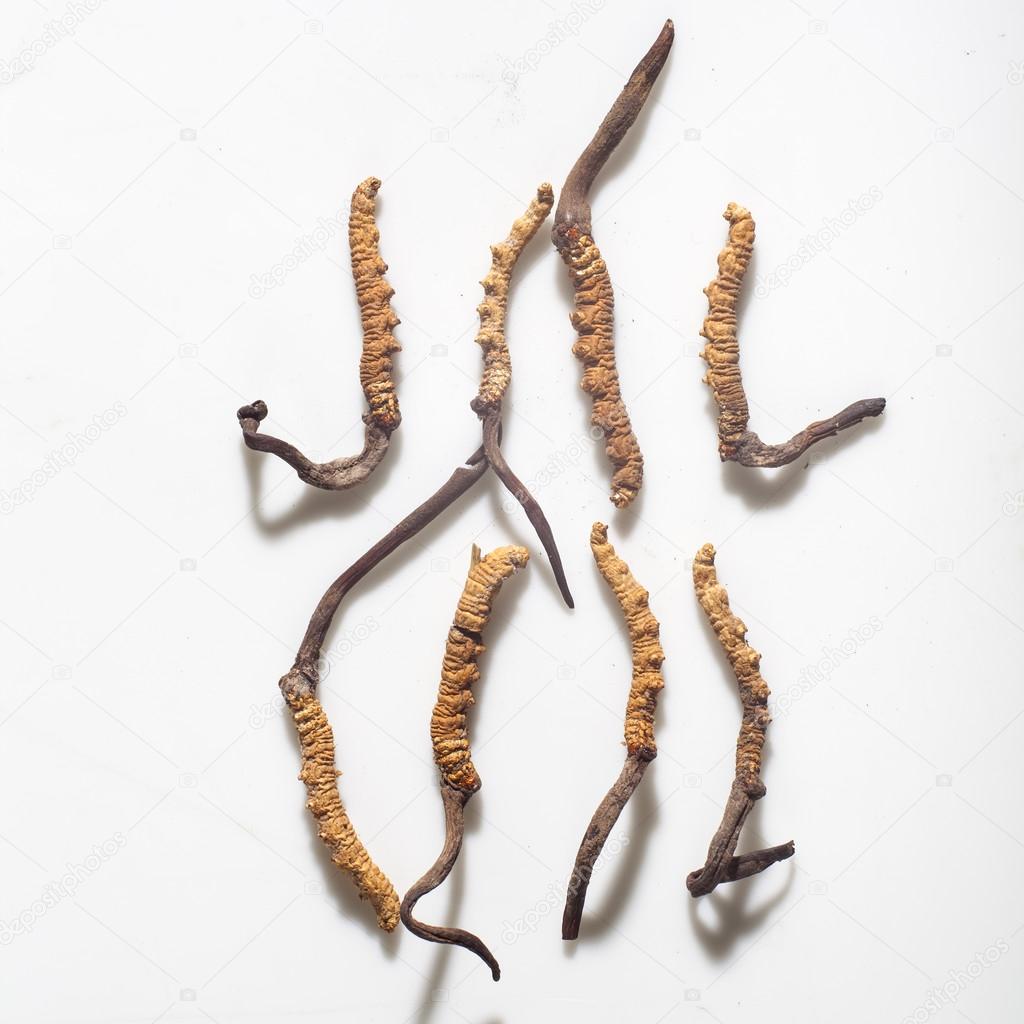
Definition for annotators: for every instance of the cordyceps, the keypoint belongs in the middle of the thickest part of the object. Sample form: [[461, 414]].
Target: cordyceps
[[316, 740], [382, 417], [647, 657], [722, 865], [593, 317], [459, 779], [737, 443], [497, 372]]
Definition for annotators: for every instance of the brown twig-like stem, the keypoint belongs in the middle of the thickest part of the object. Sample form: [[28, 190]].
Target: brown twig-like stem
[[722, 865], [641, 749], [593, 317], [497, 374], [316, 740], [382, 417], [736, 442], [450, 737]]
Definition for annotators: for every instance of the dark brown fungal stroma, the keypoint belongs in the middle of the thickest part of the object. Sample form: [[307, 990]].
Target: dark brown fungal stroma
[[458, 776], [647, 658], [497, 373], [594, 317], [736, 442], [722, 865], [382, 417]]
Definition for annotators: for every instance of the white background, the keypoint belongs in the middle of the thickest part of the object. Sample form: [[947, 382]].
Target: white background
[[155, 589]]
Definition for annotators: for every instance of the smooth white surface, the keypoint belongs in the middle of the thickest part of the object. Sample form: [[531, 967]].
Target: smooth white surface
[[155, 589]]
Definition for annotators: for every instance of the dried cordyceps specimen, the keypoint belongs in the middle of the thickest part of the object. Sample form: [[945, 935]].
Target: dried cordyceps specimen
[[459, 779], [722, 865], [736, 442], [498, 369], [643, 699], [320, 777], [316, 740], [382, 417], [593, 317]]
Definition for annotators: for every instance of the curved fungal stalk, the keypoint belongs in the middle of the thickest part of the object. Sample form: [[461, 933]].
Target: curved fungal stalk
[[722, 865], [382, 416], [316, 740], [497, 372], [450, 738], [736, 442], [593, 317], [640, 707]]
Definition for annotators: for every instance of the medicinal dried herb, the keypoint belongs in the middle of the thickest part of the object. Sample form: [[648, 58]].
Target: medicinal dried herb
[[497, 372], [647, 657], [593, 317], [316, 740], [458, 776], [722, 865], [319, 774], [382, 417], [736, 442]]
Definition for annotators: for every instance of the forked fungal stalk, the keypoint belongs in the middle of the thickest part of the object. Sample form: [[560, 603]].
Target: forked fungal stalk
[[594, 317], [497, 373], [647, 657], [316, 739], [722, 865], [382, 416], [450, 738], [736, 442]]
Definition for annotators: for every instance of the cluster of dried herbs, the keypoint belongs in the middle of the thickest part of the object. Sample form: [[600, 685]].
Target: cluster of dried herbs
[[593, 321]]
